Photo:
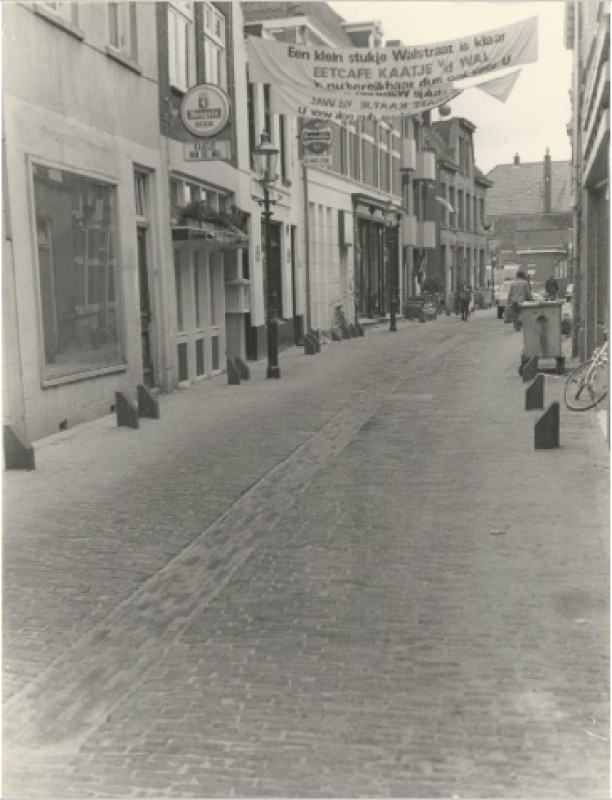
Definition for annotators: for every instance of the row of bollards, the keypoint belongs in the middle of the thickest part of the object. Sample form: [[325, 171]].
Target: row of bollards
[[19, 454], [312, 340], [546, 429], [129, 413]]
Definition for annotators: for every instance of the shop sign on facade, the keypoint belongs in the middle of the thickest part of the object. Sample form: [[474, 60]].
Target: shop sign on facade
[[205, 110], [210, 150], [317, 137]]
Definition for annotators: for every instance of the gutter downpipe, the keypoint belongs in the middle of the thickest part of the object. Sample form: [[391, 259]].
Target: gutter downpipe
[[306, 240]]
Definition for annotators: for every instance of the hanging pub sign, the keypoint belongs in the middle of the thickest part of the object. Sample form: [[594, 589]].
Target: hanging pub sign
[[316, 137], [205, 110]]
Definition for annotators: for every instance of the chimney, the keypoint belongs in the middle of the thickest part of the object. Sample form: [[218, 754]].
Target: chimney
[[547, 182], [517, 160]]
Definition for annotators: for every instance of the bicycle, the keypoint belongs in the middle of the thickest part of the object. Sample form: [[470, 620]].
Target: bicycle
[[587, 385]]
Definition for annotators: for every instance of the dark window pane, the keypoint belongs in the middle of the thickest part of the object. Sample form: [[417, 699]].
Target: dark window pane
[[199, 356], [215, 352], [76, 225], [182, 362]]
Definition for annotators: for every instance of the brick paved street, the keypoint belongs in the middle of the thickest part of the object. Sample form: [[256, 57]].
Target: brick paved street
[[360, 580]]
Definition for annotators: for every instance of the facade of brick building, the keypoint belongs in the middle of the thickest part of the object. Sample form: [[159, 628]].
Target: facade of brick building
[[81, 131], [587, 34], [458, 200], [530, 216]]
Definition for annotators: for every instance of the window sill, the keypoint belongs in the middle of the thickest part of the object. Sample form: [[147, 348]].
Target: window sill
[[59, 22], [124, 60], [83, 376]]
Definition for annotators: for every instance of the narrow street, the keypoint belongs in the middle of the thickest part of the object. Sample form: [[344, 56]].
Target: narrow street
[[360, 580]]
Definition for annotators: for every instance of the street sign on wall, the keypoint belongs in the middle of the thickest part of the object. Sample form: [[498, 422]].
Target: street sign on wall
[[208, 150], [317, 137]]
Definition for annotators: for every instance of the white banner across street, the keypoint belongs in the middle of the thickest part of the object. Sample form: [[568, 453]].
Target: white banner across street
[[396, 81]]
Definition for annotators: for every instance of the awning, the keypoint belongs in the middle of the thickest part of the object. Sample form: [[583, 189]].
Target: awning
[[443, 201]]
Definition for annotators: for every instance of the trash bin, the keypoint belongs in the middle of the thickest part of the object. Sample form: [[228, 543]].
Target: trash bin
[[541, 324]]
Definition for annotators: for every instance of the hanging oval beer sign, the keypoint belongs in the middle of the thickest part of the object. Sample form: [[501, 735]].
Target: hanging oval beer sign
[[316, 136], [205, 110]]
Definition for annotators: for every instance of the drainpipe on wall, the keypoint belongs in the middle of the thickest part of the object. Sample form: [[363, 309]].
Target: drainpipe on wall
[[547, 182], [306, 236]]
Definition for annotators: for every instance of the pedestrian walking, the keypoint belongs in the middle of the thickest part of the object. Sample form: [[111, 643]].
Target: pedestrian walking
[[518, 293], [465, 294], [551, 287]]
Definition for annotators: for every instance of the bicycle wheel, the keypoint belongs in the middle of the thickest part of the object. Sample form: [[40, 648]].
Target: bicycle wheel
[[584, 391]]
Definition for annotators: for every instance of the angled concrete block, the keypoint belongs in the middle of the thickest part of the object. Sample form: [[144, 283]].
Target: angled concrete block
[[310, 346], [233, 376], [530, 370], [126, 411], [316, 337], [546, 431], [148, 405], [534, 394], [243, 370], [18, 454]]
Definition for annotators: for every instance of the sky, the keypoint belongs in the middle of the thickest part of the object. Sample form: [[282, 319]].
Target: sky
[[535, 115]]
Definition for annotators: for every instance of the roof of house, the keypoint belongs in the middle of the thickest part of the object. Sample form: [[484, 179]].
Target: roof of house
[[519, 188], [320, 13]]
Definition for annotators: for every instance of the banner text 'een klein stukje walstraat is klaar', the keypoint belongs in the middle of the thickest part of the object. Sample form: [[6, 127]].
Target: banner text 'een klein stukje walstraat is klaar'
[[351, 83]]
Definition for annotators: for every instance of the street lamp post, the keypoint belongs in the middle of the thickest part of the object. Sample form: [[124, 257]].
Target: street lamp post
[[391, 222], [264, 156]]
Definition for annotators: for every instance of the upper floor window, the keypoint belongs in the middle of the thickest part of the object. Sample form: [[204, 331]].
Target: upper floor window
[[267, 111], [140, 194], [69, 12], [181, 54], [215, 66], [122, 29]]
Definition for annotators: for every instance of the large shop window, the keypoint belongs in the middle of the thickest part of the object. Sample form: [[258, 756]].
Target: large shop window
[[76, 238]]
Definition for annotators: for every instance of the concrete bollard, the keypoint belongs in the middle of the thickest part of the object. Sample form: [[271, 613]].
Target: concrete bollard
[[534, 394], [346, 331], [148, 406], [233, 376], [530, 369], [546, 431], [126, 411], [336, 337], [310, 346], [18, 454], [243, 370]]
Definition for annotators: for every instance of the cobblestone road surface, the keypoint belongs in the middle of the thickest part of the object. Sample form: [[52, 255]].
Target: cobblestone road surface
[[360, 580]]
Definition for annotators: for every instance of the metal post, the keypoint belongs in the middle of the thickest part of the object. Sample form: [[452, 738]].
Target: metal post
[[392, 284], [273, 370]]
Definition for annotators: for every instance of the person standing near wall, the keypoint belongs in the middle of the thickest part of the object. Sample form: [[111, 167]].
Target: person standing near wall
[[551, 287], [465, 294], [518, 293]]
